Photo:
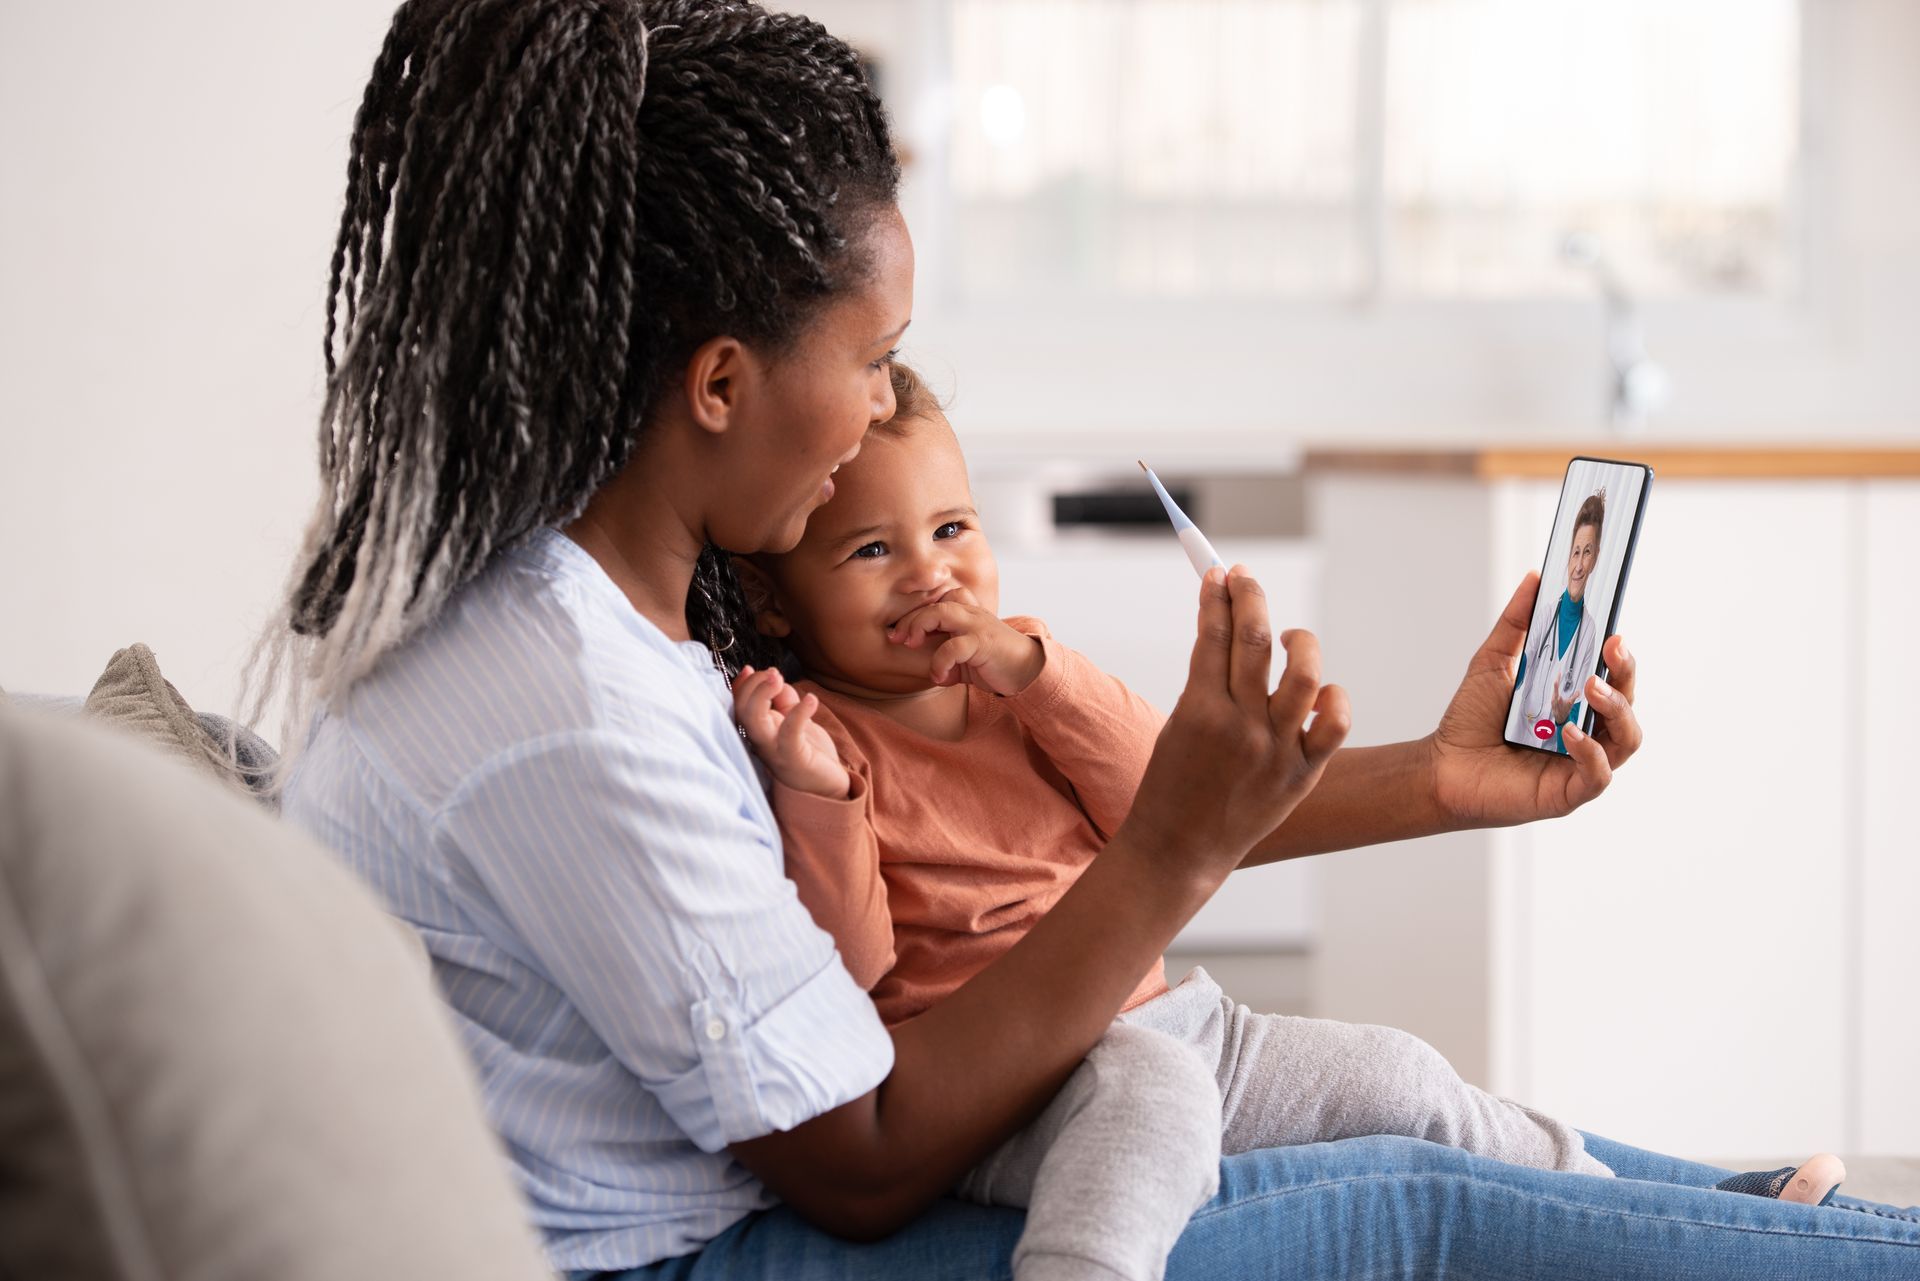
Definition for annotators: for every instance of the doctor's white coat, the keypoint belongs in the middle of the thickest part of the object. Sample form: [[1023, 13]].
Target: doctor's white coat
[[1547, 676]]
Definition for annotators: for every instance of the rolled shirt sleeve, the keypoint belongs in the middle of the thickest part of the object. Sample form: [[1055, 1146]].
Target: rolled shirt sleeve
[[643, 881]]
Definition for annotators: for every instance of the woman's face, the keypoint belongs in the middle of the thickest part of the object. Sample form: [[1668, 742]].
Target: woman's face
[[1586, 547], [806, 410]]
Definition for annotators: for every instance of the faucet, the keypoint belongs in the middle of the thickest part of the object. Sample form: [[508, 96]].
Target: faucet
[[1636, 386]]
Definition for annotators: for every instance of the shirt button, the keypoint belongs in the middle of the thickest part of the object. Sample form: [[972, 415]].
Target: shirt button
[[716, 1030]]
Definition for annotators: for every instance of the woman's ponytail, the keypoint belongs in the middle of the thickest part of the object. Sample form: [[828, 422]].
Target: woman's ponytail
[[550, 204]]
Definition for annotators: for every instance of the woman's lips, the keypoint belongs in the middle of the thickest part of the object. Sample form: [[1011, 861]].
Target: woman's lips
[[826, 486]]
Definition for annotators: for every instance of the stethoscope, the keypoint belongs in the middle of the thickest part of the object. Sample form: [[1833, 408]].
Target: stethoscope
[[1568, 681]]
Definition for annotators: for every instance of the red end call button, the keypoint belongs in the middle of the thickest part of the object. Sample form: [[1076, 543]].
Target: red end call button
[[1543, 730]]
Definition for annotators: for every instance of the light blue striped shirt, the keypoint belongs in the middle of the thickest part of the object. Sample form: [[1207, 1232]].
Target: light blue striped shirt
[[553, 793]]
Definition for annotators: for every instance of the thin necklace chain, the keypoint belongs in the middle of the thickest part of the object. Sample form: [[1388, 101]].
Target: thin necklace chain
[[714, 648]]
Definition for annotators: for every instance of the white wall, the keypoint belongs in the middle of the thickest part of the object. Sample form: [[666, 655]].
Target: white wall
[[172, 184], [1839, 361], [172, 180]]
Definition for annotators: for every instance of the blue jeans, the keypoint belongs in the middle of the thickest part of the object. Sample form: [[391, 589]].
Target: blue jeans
[[1388, 1207]]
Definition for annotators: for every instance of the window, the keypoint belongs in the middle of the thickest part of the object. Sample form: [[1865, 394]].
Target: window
[[1329, 148], [1160, 146]]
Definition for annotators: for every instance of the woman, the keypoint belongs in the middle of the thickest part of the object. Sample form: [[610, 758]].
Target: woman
[[621, 279], [1553, 669]]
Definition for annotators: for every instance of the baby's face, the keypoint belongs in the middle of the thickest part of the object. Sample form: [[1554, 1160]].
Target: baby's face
[[899, 532]]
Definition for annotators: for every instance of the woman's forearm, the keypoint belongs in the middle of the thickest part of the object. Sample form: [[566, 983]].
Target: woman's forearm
[[1369, 796], [986, 1059], [1233, 760]]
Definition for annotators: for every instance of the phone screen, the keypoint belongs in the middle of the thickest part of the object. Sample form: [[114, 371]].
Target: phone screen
[[1588, 555]]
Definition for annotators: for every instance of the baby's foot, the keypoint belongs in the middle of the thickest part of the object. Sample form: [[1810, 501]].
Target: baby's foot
[[1811, 1183]]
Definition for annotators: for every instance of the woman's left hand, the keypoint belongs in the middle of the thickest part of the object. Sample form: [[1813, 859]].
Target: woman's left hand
[[1480, 780]]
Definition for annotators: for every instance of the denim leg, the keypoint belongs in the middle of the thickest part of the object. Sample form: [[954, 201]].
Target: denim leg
[[1395, 1207], [952, 1241], [1637, 1163], [1382, 1208], [1628, 1162]]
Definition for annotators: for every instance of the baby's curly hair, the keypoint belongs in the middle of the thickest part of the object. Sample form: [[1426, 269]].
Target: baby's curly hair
[[913, 401]]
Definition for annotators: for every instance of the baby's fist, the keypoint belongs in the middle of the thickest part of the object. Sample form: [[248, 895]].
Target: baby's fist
[[781, 729], [970, 646]]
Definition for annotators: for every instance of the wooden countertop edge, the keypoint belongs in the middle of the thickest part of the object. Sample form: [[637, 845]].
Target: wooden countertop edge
[[1705, 462]]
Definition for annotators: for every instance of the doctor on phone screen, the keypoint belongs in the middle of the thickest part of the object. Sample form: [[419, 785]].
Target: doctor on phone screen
[[1556, 663]]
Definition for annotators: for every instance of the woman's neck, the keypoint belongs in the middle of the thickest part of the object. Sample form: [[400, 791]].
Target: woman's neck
[[645, 545]]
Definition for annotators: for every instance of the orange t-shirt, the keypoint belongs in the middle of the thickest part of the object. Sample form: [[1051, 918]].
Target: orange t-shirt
[[945, 853]]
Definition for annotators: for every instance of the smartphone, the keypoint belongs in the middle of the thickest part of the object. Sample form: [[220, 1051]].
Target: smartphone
[[1582, 582]]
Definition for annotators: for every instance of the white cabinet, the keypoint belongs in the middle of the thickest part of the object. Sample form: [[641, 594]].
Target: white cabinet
[[1884, 991], [1719, 955]]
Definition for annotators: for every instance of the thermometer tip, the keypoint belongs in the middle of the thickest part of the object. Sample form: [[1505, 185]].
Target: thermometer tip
[[1143, 466]]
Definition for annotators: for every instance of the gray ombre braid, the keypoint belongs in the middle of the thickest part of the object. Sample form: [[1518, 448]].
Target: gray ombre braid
[[550, 205]]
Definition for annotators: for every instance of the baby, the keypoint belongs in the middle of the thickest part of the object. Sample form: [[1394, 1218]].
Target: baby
[[942, 776]]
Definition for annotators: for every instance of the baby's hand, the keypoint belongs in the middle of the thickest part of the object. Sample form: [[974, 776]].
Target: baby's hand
[[974, 647], [780, 726]]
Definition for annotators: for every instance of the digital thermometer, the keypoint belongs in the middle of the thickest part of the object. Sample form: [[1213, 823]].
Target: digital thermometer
[[1198, 549]]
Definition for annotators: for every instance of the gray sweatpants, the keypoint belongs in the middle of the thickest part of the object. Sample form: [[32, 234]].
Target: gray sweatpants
[[1130, 1147]]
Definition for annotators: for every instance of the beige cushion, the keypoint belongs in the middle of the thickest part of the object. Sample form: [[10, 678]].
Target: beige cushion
[[134, 697], [217, 1059]]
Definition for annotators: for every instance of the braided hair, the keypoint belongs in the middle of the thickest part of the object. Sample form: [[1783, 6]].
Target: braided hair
[[550, 205]]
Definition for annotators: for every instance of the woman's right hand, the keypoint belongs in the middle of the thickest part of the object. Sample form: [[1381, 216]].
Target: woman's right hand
[[1234, 758]]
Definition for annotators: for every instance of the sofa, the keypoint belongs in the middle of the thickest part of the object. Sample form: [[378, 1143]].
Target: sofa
[[219, 1059]]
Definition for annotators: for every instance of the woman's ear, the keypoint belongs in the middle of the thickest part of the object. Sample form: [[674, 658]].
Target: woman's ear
[[715, 376], [763, 599]]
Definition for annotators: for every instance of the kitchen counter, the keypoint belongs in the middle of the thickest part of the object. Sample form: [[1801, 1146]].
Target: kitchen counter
[[1690, 462]]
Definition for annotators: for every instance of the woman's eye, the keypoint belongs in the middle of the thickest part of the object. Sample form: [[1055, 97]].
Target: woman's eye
[[887, 359], [869, 551], [953, 525]]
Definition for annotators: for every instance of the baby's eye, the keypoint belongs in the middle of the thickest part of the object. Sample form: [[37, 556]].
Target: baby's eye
[[954, 525], [870, 550]]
